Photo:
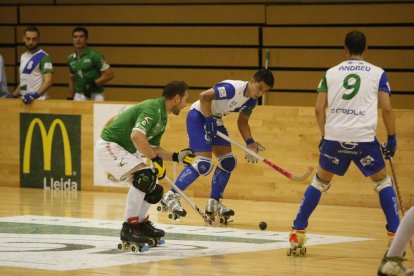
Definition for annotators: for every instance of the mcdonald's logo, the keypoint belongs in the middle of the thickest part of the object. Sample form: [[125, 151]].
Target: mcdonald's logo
[[47, 139], [50, 151]]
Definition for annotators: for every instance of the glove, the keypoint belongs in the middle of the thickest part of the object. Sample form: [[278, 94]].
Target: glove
[[210, 127], [321, 143], [389, 148], [185, 157], [159, 166], [254, 146], [29, 97]]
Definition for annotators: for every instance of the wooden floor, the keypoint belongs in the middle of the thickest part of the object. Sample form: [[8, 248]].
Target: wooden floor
[[350, 258]]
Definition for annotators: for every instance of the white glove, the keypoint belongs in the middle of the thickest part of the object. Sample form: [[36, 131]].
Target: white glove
[[255, 147]]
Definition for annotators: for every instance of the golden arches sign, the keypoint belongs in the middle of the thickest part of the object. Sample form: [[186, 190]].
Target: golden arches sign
[[47, 140]]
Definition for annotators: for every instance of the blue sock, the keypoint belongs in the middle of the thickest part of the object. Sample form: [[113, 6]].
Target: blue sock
[[219, 183], [389, 205], [186, 177], [309, 202]]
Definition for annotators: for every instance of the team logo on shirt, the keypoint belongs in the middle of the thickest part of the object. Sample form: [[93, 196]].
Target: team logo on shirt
[[222, 92], [146, 120], [367, 160]]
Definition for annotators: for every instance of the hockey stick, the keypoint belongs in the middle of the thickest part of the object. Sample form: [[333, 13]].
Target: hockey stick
[[266, 65], [267, 162], [397, 189], [206, 218]]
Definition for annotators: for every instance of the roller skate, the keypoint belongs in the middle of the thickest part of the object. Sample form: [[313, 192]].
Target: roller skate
[[170, 202], [297, 239], [155, 235], [393, 266], [216, 208], [132, 238]]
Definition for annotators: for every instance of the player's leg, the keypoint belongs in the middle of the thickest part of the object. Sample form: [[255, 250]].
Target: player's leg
[[202, 165], [392, 261], [330, 163], [133, 169], [371, 163]]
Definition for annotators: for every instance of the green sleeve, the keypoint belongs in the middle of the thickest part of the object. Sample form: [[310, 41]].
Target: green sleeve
[[323, 85], [146, 121], [46, 65]]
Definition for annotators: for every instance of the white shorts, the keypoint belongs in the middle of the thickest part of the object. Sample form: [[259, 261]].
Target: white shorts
[[115, 160], [97, 97]]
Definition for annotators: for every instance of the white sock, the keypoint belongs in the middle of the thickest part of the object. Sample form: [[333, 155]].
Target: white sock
[[134, 201], [404, 233], [143, 211]]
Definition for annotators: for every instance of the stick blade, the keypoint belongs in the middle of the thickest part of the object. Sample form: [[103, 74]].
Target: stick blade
[[302, 177]]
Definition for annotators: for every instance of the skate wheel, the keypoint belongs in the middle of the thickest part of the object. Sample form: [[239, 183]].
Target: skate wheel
[[159, 208], [302, 251], [152, 242], [135, 248], [120, 246], [289, 252], [171, 216]]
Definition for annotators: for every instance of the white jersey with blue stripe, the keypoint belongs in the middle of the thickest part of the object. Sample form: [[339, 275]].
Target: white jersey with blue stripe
[[352, 92], [230, 97]]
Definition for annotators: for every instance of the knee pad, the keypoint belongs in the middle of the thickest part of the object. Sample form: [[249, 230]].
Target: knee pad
[[155, 196], [319, 184], [144, 180], [382, 184], [227, 162], [203, 165]]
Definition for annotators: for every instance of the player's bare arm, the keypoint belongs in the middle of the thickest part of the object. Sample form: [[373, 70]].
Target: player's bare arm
[[206, 97], [47, 83], [71, 86], [106, 76], [320, 106], [387, 112], [163, 153], [140, 141], [243, 126]]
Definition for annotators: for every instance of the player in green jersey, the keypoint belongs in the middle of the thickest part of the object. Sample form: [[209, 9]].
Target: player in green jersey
[[135, 133], [88, 69]]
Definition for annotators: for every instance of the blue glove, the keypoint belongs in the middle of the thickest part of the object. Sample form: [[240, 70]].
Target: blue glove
[[210, 127], [29, 97], [388, 149]]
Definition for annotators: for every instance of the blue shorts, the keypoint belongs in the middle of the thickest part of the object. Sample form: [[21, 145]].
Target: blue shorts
[[335, 157], [197, 136]]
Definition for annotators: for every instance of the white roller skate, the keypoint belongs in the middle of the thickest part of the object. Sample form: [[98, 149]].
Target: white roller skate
[[170, 202], [132, 238], [297, 239], [216, 208], [393, 266], [154, 234]]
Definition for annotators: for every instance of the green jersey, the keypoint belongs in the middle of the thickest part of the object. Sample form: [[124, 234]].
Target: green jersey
[[86, 69], [149, 117]]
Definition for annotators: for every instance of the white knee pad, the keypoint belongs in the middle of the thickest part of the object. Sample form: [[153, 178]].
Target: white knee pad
[[203, 165], [322, 186], [382, 184], [227, 162]]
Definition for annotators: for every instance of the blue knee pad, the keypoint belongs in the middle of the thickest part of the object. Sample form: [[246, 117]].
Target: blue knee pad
[[203, 165], [227, 162]]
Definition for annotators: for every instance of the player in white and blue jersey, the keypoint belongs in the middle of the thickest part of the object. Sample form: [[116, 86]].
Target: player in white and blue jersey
[[204, 119], [346, 113]]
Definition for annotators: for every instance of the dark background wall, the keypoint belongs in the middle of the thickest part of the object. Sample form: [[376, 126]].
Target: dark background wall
[[149, 43]]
